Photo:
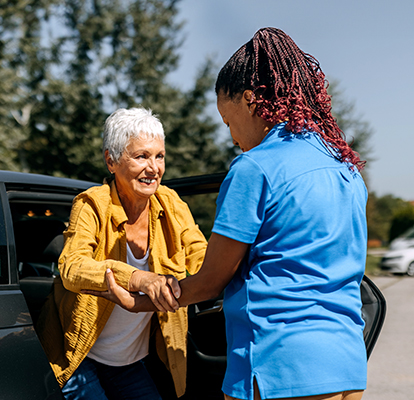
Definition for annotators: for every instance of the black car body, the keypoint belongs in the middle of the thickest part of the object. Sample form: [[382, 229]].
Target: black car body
[[34, 212]]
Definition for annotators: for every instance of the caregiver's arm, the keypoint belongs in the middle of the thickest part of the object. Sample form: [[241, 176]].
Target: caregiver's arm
[[223, 257]]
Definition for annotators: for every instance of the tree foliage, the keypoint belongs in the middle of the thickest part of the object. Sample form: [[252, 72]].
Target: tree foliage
[[65, 65], [403, 219], [388, 217]]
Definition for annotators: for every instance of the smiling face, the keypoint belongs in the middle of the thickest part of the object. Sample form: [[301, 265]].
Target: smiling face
[[140, 168], [246, 128]]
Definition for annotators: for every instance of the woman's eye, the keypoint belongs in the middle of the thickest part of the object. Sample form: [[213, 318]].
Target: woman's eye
[[161, 156]]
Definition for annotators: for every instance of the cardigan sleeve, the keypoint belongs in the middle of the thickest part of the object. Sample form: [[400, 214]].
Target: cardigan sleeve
[[84, 259]]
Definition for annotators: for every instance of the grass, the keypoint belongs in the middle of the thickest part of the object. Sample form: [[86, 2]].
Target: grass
[[372, 265]]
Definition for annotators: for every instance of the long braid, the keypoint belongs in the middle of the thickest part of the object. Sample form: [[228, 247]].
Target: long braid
[[288, 85]]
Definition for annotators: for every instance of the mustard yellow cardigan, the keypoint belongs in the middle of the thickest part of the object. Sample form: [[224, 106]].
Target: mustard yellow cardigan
[[95, 240]]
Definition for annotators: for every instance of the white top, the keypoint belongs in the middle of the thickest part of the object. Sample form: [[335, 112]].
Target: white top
[[125, 337]]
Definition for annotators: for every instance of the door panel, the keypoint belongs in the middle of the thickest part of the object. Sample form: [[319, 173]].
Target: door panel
[[25, 372]]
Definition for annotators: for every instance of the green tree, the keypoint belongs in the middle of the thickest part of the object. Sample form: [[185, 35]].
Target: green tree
[[43, 107], [379, 213], [70, 63], [21, 69], [388, 217], [403, 219]]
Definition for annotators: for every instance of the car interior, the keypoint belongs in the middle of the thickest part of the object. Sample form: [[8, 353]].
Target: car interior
[[38, 224]]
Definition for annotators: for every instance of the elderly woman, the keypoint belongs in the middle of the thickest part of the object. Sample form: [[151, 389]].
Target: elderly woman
[[146, 235], [289, 237]]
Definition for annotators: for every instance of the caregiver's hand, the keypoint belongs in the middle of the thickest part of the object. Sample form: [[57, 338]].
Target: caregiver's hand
[[163, 290]]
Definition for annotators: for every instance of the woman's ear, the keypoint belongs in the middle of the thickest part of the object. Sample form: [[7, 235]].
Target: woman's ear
[[248, 97], [109, 162]]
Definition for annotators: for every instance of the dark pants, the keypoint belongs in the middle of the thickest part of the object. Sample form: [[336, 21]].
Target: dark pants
[[96, 381]]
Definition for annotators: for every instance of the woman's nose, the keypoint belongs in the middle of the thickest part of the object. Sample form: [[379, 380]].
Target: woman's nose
[[152, 165]]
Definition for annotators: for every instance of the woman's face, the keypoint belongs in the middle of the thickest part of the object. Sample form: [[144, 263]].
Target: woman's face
[[140, 168], [239, 115]]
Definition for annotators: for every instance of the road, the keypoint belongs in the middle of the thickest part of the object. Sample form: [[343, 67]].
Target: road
[[391, 365]]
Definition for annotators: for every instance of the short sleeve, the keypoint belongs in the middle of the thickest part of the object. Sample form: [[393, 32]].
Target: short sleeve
[[242, 200]]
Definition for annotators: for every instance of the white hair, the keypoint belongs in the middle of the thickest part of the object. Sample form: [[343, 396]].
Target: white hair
[[124, 124]]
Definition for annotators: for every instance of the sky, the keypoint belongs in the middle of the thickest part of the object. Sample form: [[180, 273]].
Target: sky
[[365, 45]]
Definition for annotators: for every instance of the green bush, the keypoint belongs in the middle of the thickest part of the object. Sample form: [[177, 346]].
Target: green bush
[[402, 220]]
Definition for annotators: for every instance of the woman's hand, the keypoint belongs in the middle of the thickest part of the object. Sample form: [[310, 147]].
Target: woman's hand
[[115, 293], [132, 301], [163, 290]]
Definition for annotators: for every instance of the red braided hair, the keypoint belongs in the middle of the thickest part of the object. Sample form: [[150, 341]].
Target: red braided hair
[[288, 85]]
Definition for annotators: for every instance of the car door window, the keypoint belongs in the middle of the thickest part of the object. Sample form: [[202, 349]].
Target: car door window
[[38, 227]]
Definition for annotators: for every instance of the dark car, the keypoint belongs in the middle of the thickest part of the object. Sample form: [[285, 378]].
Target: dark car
[[34, 212]]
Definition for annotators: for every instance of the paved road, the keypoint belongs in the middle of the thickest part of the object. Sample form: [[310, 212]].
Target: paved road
[[391, 365]]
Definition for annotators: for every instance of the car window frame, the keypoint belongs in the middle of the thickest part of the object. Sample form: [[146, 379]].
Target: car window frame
[[9, 276]]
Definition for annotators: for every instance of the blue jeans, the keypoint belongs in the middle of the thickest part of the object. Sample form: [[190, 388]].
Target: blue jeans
[[96, 381]]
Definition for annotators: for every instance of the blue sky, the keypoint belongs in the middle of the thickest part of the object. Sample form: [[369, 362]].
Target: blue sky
[[366, 45]]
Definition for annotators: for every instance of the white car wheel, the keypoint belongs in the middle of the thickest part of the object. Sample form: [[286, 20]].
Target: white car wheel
[[410, 269]]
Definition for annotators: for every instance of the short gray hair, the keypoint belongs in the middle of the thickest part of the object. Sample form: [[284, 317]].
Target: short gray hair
[[124, 124]]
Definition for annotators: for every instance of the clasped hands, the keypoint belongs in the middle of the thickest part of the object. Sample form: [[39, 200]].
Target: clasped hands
[[162, 290]]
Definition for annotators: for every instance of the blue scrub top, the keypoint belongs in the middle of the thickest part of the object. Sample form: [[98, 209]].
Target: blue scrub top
[[293, 309]]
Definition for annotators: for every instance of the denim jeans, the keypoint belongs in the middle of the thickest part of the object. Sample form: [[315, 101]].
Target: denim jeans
[[96, 381]]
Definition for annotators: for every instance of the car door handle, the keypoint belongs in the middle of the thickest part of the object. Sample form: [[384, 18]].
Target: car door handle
[[218, 306]]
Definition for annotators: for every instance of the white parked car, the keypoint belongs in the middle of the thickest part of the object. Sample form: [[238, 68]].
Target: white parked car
[[404, 241], [399, 261]]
